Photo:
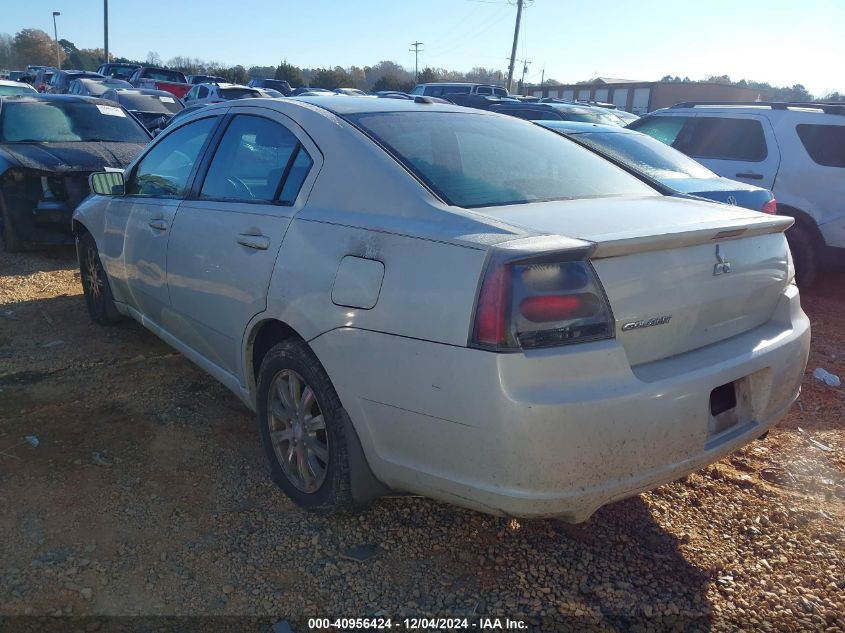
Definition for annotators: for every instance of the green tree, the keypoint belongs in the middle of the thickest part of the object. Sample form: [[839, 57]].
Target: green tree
[[34, 46], [289, 73], [263, 72], [330, 78], [392, 82], [428, 75]]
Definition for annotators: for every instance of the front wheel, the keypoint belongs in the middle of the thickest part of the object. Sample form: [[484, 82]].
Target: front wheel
[[302, 431], [95, 282], [804, 254]]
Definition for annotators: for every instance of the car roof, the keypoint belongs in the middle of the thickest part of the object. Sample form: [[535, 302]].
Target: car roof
[[340, 104], [12, 82], [60, 98], [581, 127]]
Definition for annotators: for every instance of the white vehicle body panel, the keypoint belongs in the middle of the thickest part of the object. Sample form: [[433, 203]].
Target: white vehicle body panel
[[544, 432]]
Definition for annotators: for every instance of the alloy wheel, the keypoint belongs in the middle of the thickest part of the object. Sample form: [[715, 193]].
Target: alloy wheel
[[298, 431]]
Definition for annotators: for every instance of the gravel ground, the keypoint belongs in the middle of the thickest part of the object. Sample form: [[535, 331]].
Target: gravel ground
[[147, 495]]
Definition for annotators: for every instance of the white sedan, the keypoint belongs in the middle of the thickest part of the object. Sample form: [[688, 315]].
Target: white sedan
[[426, 298]]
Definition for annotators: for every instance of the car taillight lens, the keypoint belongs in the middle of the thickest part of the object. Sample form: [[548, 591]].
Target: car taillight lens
[[770, 207], [526, 304]]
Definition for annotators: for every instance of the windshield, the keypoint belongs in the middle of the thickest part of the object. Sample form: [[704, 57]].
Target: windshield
[[149, 103], [648, 155], [238, 93], [61, 122], [474, 160], [23, 89]]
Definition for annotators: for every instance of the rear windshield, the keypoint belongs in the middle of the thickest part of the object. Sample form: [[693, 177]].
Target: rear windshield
[[149, 103], [165, 75], [473, 160], [238, 93], [646, 154], [61, 122]]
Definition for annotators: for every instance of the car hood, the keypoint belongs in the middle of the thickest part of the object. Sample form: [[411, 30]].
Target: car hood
[[76, 156]]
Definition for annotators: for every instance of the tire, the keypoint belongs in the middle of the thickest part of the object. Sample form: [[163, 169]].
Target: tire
[[805, 254], [11, 242], [95, 282], [303, 438]]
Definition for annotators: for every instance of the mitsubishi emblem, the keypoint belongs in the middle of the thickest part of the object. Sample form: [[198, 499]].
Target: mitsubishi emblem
[[723, 267]]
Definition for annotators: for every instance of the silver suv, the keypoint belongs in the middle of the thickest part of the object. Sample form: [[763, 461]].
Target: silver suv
[[797, 150]]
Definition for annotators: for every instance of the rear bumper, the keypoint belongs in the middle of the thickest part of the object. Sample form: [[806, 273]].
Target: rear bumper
[[560, 432]]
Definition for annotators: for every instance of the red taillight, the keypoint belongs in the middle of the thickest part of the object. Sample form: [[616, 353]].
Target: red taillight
[[770, 207], [493, 306], [532, 301], [545, 308]]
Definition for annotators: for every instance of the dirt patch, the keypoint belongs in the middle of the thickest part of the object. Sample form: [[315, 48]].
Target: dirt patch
[[147, 495]]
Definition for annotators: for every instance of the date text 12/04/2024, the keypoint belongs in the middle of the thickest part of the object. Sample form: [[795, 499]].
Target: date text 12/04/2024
[[417, 624]]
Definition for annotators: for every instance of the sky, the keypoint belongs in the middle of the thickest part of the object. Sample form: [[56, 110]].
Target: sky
[[783, 42]]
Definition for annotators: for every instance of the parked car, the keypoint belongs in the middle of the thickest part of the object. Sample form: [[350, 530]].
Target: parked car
[[42, 78], [96, 87], [669, 167], [443, 89], [556, 112], [797, 150], [270, 93], [421, 297], [204, 79], [480, 102], [216, 93], [8, 87], [60, 81], [303, 89], [188, 110], [274, 84], [49, 144], [350, 92], [153, 78], [153, 108], [118, 70], [16, 75], [393, 94]]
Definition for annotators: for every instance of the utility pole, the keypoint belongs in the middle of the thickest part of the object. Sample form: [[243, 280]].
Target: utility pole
[[524, 70], [416, 51], [56, 35], [515, 39], [106, 29], [542, 77]]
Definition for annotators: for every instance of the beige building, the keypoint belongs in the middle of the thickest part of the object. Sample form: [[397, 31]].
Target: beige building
[[640, 97]]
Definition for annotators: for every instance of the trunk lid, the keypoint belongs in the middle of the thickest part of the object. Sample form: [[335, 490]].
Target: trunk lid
[[679, 274]]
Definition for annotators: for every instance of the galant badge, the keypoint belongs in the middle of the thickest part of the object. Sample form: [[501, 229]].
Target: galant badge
[[638, 325], [723, 267]]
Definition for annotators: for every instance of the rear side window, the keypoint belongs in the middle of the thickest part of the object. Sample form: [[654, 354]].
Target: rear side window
[[824, 143], [254, 156], [727, 139], [664, 128]]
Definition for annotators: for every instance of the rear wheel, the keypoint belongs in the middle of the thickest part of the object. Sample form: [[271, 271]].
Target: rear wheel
[[95, 282], [302, 432], [805, 253]]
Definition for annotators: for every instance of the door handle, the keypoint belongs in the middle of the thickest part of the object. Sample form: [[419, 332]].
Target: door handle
[[158, 225], [258, 242], [750, 176]]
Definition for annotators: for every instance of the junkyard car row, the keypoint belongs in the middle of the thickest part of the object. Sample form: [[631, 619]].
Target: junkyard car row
[[427, 298]]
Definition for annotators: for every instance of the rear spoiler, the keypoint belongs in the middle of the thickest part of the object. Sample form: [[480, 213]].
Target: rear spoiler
[[693, 234]]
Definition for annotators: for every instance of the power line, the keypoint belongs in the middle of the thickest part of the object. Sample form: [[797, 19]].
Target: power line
[[416, 51]]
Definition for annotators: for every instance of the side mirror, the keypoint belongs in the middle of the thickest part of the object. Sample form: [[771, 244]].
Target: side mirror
[[107, 183]]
